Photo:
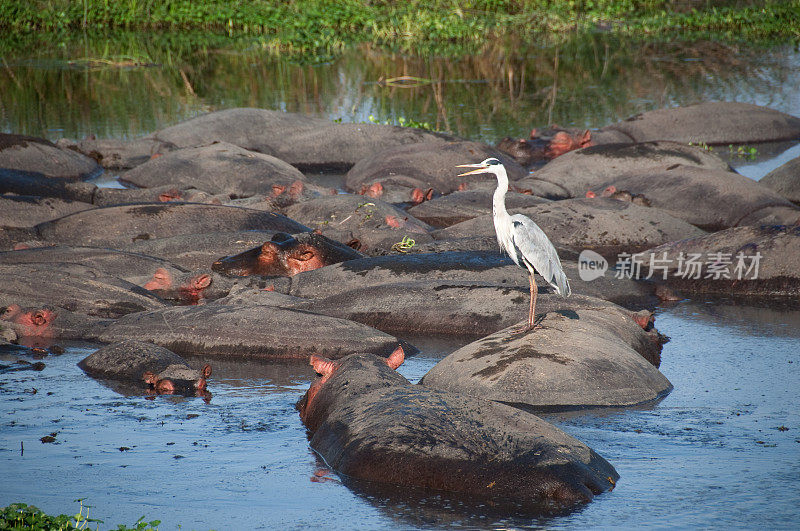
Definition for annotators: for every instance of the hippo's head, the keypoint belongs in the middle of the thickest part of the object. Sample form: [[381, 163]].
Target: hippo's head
[[284, 255], [189, 288], [364, 370], [32, 323], [178, 381], [563, 142]]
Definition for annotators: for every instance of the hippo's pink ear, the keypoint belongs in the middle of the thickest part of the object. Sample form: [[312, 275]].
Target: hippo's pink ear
[[201, 281], [396, 358], [206, 370], [322, 366], [610, 189]]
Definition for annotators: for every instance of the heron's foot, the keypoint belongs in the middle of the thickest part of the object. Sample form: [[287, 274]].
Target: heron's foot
[[527, 327]]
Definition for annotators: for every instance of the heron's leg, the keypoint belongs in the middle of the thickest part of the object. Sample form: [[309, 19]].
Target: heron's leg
[[532, 309]]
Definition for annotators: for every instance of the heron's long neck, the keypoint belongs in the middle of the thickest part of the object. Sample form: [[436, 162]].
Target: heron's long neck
[[499, 201]]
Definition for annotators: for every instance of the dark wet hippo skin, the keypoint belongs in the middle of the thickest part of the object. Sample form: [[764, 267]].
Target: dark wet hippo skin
[[785, 180], [460, 206], [576, 358], [40, 186], [709, 199], [710, 123], [164, 279], [369, 225], [44, 326], [133, 267], [546, 144], [457, 308], [31, 154], [28, 211], [198, 251], [431, 164], [248, 331], [487, 267], [307, 143], [118, 154], [154, 368], [219, 168], [37, 184], [757, 260], [594, 167], [286, 255], [369, 423], [125, 224], [73, 287], [604, 225]]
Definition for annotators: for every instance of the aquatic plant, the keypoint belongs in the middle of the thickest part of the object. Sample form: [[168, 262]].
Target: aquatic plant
[[23, 516], [404, 245]]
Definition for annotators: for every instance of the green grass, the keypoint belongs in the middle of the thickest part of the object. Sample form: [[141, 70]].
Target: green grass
[[312, 25]]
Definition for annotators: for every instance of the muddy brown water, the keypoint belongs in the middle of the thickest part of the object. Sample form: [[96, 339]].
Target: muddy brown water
[[722, 450]]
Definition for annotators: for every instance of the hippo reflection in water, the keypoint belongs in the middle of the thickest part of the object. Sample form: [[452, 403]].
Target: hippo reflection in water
[[286, 255]]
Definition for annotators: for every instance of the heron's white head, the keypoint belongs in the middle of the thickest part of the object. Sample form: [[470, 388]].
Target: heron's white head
[[490, 165]]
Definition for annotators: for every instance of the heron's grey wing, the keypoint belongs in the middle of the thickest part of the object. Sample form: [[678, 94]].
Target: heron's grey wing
[[535, 250]]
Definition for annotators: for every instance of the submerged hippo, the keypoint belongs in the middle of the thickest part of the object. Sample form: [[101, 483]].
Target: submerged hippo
[[286, 255], [369, 423], [136, 361]]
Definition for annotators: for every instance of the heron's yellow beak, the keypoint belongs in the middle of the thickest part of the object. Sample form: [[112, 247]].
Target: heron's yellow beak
[[481, 169]]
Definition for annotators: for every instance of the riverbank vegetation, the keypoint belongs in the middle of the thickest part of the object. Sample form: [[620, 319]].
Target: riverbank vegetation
[[308, 25]]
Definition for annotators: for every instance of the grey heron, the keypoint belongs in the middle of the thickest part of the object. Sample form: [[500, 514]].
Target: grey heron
[[521, 238]]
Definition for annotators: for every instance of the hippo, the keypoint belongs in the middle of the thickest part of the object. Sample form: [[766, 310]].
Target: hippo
[[164, 279], [163, 371], [118, 225], [78, 194], [188, 288], [43, 326], [398, 189], [583, 357], [604, 225], [28, 211], [621, 195], [712, 200], [115, 154], [195, 252], [430, 164], [218, 168], [73, 287], [545, 144], [754, 260], [157, 194], [785, 180], [285, 255], [369, 423], [32, 154], [576, 172], [247, 332], [453, 308], [133, 267], [490, 268], [711, 123], [460, 206], [309, 144], [361, 222], [37, 184]]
